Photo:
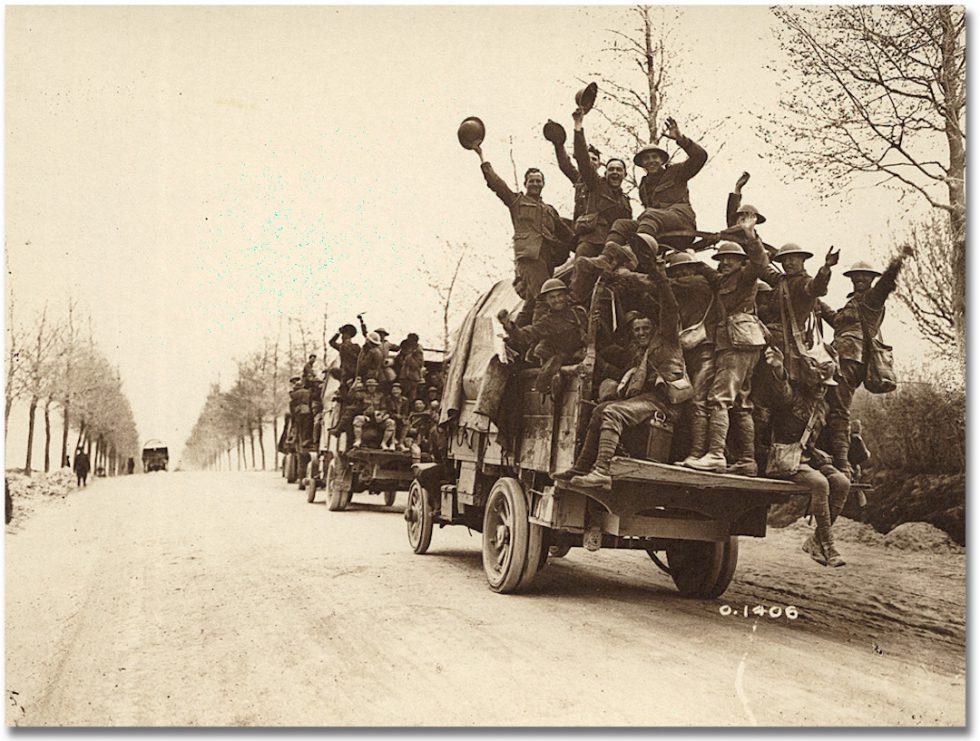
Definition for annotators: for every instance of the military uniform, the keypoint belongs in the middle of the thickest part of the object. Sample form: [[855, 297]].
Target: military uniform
[[301, 413], [604, 204], [541, 240], [372, 406], [349, 352], [410, 370], [867, 308], [657, 383], [371, 363]]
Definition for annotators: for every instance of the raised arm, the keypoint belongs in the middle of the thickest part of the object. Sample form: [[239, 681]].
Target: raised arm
[[824, 312], [590, 175], [333, 341], [696, 156], [495, 182], [879, 292], [735, 199], [565, 164], [670, 322]]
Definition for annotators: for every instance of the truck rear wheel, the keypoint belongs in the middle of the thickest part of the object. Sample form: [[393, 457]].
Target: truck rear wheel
[[339, 479], [702, 568], [418, 515], [506, 536]]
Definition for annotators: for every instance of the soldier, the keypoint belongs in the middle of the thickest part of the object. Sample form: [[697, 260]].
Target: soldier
[[655, 385], [301, 413], [349, 352], [419, 422], [399, 408], [798, 415], [854, 325], [663, 193], [556, 338], [541, 238], [372, 409], [371, 360], [796, 295], [605, 202], [739, 338], [309, 375], [411, 365]]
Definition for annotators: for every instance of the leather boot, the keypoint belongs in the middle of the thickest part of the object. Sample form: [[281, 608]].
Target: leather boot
[[358, 429], [824, 536], [745, 464], [699, 438], [587, 455], [598, 477], [549, 370], [714, 459]]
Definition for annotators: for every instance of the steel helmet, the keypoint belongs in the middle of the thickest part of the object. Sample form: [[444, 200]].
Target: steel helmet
[[552, 284], [679, 258], [747, 209], [374, 338], [791, 249], [728, 248], [646, 242], [586, 97], [471, 132], [623, 253], [555, 133], [861, 267], [762, 287], [649, 148]]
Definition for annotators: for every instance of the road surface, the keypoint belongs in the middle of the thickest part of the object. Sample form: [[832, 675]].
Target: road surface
[[215, 599]]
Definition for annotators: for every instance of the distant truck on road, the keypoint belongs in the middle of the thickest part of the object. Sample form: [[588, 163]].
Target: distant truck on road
[[155, 456]]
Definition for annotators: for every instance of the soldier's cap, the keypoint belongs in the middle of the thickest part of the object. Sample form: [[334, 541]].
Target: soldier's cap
[[747, 209], [382, 332], [791, 249], [432, 388], [675, 259], [412, 337], [624, 254], [348, 329], [861, 267], [729, 248], [649, 148], [295, 379], [555, 132], [374, 338], [370, 381], [762, 287], [312, 357], [551, 285]]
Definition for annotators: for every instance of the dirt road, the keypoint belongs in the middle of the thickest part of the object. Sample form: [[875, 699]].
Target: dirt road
[[226, 599]]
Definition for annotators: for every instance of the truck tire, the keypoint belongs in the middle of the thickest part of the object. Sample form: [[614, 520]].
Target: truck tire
[[506, 536], [696, 565], [338, 485], [727, 571], [312, 471], [291, 472], [390, 498], [418, 516]]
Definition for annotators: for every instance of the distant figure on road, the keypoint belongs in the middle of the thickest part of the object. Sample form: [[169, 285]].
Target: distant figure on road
[[130, 466], [82, 466]]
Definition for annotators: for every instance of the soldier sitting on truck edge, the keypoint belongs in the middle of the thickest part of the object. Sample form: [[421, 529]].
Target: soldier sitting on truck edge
[[372, 409], [557, 338], [399, 407], [657, 383]]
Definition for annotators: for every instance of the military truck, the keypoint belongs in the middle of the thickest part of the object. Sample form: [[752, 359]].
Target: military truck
[[495, 477], [155, 456]]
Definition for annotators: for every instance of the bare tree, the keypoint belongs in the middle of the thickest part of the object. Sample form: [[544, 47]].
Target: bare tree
[[882, 94], [37, 375], [14, 385], [444, 286], [927, 283]]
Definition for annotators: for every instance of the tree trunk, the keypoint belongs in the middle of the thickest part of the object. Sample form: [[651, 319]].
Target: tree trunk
[[275, 440], [47, 436], [64, 434], [30, 435], [251, 442], [261, 444]]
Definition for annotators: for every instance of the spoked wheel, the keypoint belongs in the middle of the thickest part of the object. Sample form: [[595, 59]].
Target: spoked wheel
[[418, 514], [339, 480], [701, 568], [389, 498], [507, 536], [312, 471]]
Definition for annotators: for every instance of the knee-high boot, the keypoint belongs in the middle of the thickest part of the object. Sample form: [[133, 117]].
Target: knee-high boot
[[714, 459], [599, 476], [587, 455], [745, 464], [820, 507], [699, 438]]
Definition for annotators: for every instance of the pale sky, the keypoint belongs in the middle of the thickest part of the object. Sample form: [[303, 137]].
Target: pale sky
[[193, 174]]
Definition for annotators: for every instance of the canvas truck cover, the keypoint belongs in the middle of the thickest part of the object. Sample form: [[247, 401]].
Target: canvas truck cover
[[476, 342]]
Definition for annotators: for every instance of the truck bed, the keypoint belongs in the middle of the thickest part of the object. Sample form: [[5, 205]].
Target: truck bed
[[632, 470]]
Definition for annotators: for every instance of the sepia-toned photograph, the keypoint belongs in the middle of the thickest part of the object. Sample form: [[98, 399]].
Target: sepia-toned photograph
[[485, 366]]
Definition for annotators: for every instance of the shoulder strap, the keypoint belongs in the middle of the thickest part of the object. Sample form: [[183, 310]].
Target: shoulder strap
[[811, 423]]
